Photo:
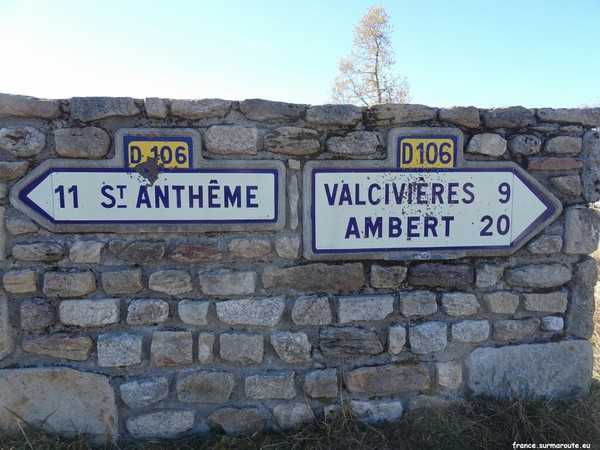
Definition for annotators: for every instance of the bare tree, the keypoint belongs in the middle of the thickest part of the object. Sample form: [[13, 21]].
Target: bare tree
[[365, 76]]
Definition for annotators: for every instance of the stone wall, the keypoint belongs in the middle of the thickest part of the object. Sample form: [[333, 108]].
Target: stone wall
[[148, 334]]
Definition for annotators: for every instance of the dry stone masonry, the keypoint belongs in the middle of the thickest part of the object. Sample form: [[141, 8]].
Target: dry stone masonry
[[143, 333]]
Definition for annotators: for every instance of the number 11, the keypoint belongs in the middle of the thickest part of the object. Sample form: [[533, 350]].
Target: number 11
[[60, 190]]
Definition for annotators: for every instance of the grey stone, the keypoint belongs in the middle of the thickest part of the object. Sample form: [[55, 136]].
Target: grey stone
[[62, 345], [508, 117], [193, 312], [24, 106], [39, 252], [12, 170], [138, 252], [546, 245], [355, 143], [345, 115], [87, 109], [582, 227], [293, 348], [271, 386], [292, 415], [349, 342], [37, 314], [89, 313], [556, 369], [470, 331], [554, 302], [241, 348], [459, 304], [581, 116], [206, 342], [144, 391], [23, 142], [7, 344], [264, 311], [489, 275], [524, 144], [293, 192], [201, 108], [171, 348], [552, 323], [287, 247], [538, 275], [237, 421], [20, 281], [417, 303], [204, 387], [396, 339], [231, 140], [501, 302], [2, 233], [400, 113], [312, 311], [388, 380], [89, 142], [119, 349], [508, 330], [165, 424], [171, 282], [321, 383], [196, 252], [441, 275], [223, 283], [590, 156], [428, 402], [376, 412], [292, 141], [122, 281], [316, 277], [466, 116], [249, 249], [488, 144], [86, 252], [364, 308], [17, 225], [569, 185], [387, 277], [156, 108], [147, 311], [579, 319], [449, 374], [265, 110], [563, 145], [59, 400], [428, 337]]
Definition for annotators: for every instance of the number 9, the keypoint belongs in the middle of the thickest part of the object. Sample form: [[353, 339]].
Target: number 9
[[504, 190]]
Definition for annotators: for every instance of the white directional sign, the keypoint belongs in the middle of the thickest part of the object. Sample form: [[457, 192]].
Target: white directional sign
[[156, 188], [393, 212]]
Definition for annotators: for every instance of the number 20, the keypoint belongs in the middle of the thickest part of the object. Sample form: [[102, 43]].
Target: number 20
[[502, 225]]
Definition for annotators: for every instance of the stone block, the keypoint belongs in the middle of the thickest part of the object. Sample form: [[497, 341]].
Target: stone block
[[147, 311], [119, 349], [376, 412], [524, 144], [568, 185], [200, 108], [470, 331], [387, 277], [249, 249], [312, 310], [12, 170], [508, 117], [552, 323], [270, 386], [204, 387], [441, 275], [231, 140], [489, 275], [24, 106], [293, 193], [538, 275], [546, 244], [20, 281], [365, 308], [564, 144], [553, 164], [501, 302], [417, 303], [144, 391], [171, 282], [582, 227], [465, 116], [266, 110], [428, 337], [156, 108], [512, 330], [401, 114], [349, 342], [22, 142], [264, 311], [292, 141], [590, 156], [206, 342], [396, 339], [235, 421], [7, 344], [88, 142], [321, 383], [449, 374], [344, 115], [457, 304], [89, 313], [127, 281], [193, 312], [355, 143], [37, 314], [196, 252], [287, 247], [488, 144], [241, 348], [39, 252], [138, 252], [86, 252], [18, 225], [581, 116], [292, 415], [62, 345], [69, 284], [293, 348], [223, 283], [88, 109], [171, 348], [316, 277], [579, 319], [388, 380], [165, 424], [61, 401], [554, 302], [552, 370]]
